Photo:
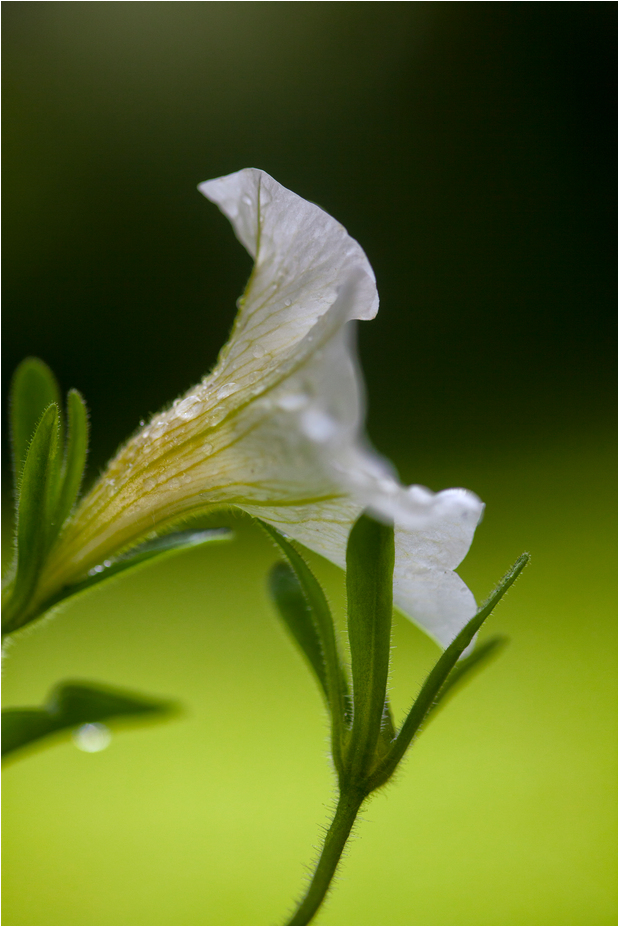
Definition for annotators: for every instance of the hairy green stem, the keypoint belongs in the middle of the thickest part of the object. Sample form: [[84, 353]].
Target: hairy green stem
[[346, 812]]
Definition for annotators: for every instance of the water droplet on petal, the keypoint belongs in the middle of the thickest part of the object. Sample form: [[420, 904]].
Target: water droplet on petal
[[226, 390], [293, 401], [174, 483], [92, 738], [258, 351], [247, 200], [158, 429], [188, 408], [420, 494], [318, 425], [149, 484], [207, 448], [287, 302]]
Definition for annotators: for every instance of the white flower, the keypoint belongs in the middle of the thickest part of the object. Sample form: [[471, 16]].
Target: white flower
[[277, 427]]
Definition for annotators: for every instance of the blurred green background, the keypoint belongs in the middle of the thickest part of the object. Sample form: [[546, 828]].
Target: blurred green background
[[469, 147]]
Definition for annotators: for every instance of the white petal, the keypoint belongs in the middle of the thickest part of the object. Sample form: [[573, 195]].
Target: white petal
[[435, 599], [438, 601], [277, 427], [302, 257], [425, 586]]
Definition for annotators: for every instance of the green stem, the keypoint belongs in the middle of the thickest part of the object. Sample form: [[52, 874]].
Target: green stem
[[347, 809]]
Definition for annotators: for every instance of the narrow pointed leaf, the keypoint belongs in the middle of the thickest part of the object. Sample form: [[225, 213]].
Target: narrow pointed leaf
[[75, 457], [370, 558], [72, 704], [33, 390], [466, 669], [439, 674], [38, 488], [138, 557], [287, 593], [337, 686]]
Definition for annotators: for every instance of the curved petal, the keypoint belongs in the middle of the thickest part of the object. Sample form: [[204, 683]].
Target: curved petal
[[302, 256], [277, 427], [424, 584]]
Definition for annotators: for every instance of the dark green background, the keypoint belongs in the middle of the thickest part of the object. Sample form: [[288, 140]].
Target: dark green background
[[469, 147]]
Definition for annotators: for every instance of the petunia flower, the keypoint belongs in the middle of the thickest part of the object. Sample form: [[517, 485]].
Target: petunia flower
[[277, 427]]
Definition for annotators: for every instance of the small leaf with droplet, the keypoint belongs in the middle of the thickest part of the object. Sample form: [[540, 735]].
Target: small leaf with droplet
[[73, 704]]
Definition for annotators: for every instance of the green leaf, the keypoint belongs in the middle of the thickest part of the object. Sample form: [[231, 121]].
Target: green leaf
[[296, 614], [72, 704], [33, 390], [370, 557], [39, 486], [467, 668], [438, 677], [336, 684], [138, 557], [75, 456]]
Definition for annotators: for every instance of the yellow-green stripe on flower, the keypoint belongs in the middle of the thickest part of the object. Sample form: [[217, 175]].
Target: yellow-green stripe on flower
[[277, 427]]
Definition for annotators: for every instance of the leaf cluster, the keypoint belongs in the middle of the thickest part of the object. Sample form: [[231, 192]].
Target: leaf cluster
[[366, 746], [49, 457], [49, 469]]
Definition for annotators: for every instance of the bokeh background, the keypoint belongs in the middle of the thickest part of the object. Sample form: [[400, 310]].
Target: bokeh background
[[469, 147]]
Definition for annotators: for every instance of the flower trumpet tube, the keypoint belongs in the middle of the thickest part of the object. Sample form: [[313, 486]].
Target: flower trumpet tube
[[277, 427]]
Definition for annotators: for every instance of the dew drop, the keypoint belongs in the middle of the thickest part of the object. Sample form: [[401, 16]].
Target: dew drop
[[207, 448], [149, 484], [174, 483], [246, 199], [293, 401], [158, 429], [92, 738], [226, 390], [420, 494], [387, 485], [107, 563], [287, 302], [187, 407], [142, 423], [258, 351], [318, 426]]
